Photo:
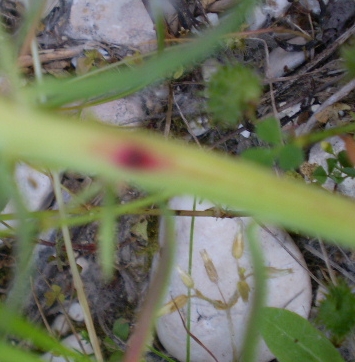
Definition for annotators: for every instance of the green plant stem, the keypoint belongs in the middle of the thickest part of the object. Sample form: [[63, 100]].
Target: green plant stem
[[78, 284], [314, 137], [189, 271], [155, 294], [81, 215], [252, 336]]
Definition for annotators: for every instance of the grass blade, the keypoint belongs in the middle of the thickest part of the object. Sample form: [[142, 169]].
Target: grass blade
[[175, 167]]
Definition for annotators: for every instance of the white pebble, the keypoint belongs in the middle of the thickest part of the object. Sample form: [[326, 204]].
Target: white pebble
[[83, 263], [72, 343], [76, 313], [60, 325], [245, 133], [281, 61]]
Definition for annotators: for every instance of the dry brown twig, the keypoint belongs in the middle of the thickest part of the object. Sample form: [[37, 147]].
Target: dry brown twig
[[336, 97], [50, 55], [308, 68]]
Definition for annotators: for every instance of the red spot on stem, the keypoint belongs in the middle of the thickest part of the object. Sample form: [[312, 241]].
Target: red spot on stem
[[136, 158]]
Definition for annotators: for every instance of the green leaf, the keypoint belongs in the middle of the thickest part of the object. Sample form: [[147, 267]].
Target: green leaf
[[233, 91], [331, 162], [320, 175], [5, 180], [350, 171], [290, 157], [292, 338], [344, 159], [349, 56], [261, 156], [117, 356], [337, 311], [327, 147], [269, 131], [107, 234], [121, 328], [337, 178], [53, 295]]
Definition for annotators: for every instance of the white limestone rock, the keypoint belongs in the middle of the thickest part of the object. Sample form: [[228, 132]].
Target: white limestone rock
[[124, 22], [288, 288], [126, 111]]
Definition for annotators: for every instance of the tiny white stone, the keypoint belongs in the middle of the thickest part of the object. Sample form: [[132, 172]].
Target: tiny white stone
[[199, 126], [275, 8], [76, 313], [291, 111], [289, 287], [213, 19], [73, 343], [245, 134], [269, 8], [315, 107], [83, 263], [312, 5], [281, 61], [257, 19], [60, 325], [162, 91], [51, 358], [34, 186]]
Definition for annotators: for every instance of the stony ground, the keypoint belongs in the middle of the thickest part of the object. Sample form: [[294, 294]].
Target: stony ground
[[299, 76]]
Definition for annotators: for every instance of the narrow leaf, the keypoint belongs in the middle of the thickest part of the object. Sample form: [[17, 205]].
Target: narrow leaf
[[13, 324], [174, 168], [10, 354], [107, 235]]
